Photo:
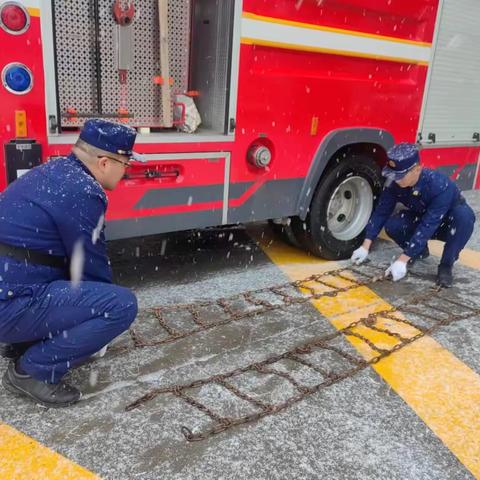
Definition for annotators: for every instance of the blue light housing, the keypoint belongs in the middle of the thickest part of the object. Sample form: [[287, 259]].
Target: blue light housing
[[17, 78]]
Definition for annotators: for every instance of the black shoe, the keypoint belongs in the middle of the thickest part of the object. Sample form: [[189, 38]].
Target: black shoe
[[47, 394], [6, 351], [425, 254], [13, 351], [445, 276]]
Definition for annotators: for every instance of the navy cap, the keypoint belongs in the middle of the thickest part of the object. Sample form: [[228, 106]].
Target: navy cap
[[401, 159], [111, 137]]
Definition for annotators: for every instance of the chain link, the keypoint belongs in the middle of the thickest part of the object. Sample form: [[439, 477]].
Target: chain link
[[283, 299], [296, 354]]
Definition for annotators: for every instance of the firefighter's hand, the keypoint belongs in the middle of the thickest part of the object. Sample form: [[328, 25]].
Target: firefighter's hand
[[397, 270], [359, 256]]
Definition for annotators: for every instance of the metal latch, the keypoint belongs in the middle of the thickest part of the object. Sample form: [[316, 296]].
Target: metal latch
[[151, 174], [53, 123]]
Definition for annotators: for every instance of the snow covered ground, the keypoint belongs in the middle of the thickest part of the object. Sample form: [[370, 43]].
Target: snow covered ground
[[356, 429]]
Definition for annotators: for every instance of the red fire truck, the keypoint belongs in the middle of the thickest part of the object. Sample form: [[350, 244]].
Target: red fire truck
[[299, 101]]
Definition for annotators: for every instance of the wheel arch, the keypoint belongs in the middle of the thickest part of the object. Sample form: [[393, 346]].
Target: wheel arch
[[336, 145]]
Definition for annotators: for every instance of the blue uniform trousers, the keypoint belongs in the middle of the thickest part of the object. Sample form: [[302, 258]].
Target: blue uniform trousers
[[69, 323], [455, 230]]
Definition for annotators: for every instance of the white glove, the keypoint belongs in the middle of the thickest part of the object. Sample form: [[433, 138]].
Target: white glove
[[101, 353], [359, 256], [397, 270]]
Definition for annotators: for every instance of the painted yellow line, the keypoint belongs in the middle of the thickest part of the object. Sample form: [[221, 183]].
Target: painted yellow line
[[311, 26], [443, 391], [468, 258], [23, 458], [329, 51]]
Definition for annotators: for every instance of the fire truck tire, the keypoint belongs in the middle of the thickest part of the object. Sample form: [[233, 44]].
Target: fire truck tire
[[340, 209], [285, 233]]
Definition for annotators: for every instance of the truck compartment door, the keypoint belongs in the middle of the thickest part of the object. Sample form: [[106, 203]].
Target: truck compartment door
[[170, 192]]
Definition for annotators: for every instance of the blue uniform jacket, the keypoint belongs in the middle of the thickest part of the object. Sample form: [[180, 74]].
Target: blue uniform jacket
[[432, 197], [50, 209]]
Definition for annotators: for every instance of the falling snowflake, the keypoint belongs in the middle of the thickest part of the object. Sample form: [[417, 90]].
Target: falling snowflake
[[98, 229], [93, 378], [163, 247], [77, 263]]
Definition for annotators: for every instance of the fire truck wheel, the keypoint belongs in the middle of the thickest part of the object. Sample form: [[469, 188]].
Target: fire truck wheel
[[340, 209], [285, 233]]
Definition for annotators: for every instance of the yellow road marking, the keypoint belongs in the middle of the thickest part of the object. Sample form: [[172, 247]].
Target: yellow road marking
[[442, 390], [22, 458], [469, 258]]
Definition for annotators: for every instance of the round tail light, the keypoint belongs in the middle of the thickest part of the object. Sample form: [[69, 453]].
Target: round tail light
[[14, 18], [17, 78]]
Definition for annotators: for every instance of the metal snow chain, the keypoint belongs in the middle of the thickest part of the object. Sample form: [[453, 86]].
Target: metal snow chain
[[308, 292], [295, 354]]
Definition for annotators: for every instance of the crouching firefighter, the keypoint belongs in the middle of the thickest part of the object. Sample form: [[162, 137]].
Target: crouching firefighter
[[50, 219], [435, 209]]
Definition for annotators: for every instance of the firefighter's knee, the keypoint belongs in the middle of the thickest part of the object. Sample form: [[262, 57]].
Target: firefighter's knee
[[393, 226], [130, 307], [125, 309]]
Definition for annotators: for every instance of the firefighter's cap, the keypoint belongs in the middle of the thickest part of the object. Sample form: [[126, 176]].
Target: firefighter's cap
[[111, 137], [401, 159]]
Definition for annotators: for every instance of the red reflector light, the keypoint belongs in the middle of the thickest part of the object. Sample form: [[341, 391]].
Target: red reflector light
[[13, 18]]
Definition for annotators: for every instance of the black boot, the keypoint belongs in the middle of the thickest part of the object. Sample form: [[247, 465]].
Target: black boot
[[425, 254], [6, 351], [445, 276], [47, 394], [14, 350]]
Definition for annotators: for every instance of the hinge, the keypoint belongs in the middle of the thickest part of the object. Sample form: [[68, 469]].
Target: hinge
[[53, 123]]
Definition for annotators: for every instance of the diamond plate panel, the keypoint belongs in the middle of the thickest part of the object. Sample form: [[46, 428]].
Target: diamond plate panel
[[76, 68], [75, 45]]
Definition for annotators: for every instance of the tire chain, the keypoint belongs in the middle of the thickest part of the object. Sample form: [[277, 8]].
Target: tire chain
[[279, 292], [222, 423]]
